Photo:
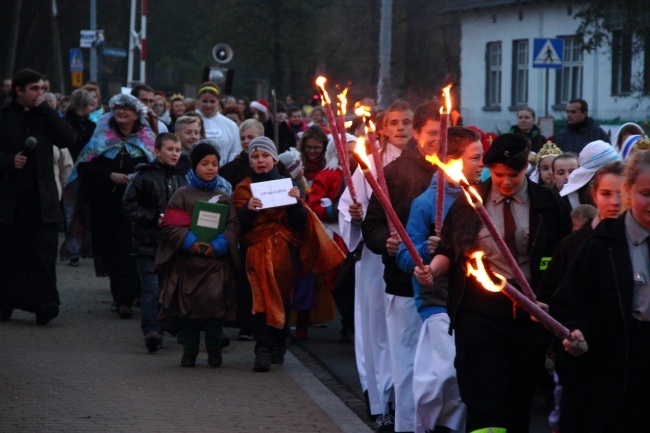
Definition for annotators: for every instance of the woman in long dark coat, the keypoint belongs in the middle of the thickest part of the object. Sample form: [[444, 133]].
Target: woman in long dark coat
[[121, 141]]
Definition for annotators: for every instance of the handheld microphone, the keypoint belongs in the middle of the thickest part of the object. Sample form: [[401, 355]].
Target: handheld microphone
[[30, 143]]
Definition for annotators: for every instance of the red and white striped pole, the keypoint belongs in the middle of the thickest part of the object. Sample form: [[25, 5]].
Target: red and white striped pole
[[143, 43]]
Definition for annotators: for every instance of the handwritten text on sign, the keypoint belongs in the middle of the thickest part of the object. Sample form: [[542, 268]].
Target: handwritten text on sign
[[273, 193]]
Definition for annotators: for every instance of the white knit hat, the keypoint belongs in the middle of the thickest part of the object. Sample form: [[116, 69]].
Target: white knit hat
[[292, 159], [591, 158]]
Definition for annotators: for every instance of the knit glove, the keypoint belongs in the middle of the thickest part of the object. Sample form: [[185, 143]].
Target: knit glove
[[189, 240], [220, 245]]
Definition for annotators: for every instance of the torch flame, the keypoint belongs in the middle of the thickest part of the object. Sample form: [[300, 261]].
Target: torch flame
[[371, 126], [447, 97], [454, 170], [320, 82], [480, 273], [343, 101], [348, 124], [362, 110], [360, 150]]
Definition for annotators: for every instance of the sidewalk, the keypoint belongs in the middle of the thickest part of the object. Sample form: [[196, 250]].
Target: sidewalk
[[88, 371]]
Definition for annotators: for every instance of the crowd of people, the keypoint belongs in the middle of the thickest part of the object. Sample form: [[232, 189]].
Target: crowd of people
[[163, 193]]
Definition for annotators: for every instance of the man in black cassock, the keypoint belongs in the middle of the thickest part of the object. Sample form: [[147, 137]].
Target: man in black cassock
[[29, 202]]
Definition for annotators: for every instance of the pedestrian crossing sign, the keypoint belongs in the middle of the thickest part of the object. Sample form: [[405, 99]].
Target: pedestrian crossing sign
[[548, 53], [76, 60]]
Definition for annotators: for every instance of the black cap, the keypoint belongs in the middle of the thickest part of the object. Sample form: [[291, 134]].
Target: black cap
[[508, 149], [200, 150]]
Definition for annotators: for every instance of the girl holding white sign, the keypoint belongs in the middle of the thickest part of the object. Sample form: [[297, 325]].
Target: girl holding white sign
[[283, 243]]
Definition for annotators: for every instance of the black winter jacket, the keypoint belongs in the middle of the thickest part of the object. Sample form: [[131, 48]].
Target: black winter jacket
[[549, 223], [596, 297], [575, 137], [84, 127], [407, 177], [146, 198]]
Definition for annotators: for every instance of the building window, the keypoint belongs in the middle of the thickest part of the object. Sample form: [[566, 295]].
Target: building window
[[520, 72], [493, 76], [568, 79], [621, 63]]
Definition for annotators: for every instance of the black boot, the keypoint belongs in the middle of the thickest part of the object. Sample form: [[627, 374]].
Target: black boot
[[188, 360], [278, 354], [5, 314], [214, 358], [262, 360], [46, 313]]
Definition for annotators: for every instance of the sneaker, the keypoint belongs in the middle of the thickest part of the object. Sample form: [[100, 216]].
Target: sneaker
[[125, 312], [188, 360], [385, 424], [214, 358], [74, 262], [245, 335], [152, 340], [114, 307], [318, 324], [262, 360]]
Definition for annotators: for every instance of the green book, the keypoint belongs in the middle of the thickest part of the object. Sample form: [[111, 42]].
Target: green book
[[208, 220]]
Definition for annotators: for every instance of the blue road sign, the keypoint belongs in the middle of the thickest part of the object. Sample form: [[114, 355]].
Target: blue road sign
[[76, 60], [548, 53], [114, 52]]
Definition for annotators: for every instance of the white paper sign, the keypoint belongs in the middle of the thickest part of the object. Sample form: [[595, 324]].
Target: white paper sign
[[273, 193], [208, 219]]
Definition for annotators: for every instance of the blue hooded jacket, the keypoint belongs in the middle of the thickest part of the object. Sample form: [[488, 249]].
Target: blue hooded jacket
[[420, 226]]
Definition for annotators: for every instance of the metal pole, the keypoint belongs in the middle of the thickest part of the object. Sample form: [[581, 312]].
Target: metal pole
[[546, 104], [56, 48], [385, 35], [93, 49]]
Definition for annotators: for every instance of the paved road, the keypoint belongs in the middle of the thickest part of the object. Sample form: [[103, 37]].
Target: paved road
[[338, 359], [88, 371]]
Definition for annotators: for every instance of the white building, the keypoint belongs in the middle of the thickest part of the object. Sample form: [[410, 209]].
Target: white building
[[497, 74]]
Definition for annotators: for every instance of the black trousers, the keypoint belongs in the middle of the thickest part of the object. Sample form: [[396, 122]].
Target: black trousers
[[244, 297], [498, 366]]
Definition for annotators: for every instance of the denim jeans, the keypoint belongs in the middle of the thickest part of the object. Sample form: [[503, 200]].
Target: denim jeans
[[149, 286]]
